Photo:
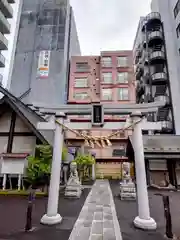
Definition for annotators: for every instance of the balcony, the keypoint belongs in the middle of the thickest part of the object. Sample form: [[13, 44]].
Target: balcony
[[163, 114], [162, 98], [167, 126], [161, 90], [3, 42], [4, 24], [156, 57], [151, 20], [6, 9], [2, 61], [155, 37], [159, 78]]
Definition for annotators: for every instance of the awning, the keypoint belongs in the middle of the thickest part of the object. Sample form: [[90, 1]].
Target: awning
[[163, 144]]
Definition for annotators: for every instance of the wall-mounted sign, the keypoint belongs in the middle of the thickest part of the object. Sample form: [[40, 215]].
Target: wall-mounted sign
[[43, 64]]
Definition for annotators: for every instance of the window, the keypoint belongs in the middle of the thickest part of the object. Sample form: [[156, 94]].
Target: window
[[82, 67], [107, 77], [178, 31], [122, 77], [80, 95], [177, 8], [106, 61], [106, 94], [123, 94], [81, 82], [122, 61]]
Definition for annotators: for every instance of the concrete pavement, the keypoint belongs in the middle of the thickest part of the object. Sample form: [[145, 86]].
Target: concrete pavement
[[97, 219]]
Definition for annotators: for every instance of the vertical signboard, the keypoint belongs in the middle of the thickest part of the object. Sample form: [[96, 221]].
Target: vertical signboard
[[43, 64]]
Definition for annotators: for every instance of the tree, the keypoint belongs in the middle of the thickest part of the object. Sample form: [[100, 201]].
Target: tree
[[39, 166], [84, 163]]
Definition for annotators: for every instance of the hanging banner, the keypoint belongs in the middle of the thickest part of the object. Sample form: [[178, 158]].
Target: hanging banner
[[43, 64]]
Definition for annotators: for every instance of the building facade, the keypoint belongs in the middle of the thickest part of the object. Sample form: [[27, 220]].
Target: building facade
[[12, 41], [103, 79], [152, 75], [157, 62], [47, 38], [156, 59], [6, 11]]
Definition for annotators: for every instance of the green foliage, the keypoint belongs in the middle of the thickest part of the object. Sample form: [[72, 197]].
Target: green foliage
[[46, 151], [39, 166], [37, 172], [84, 160], [64, 153], [84, 163]]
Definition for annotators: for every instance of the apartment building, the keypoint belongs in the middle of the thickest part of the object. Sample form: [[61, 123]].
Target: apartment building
[[160, 29], [103, 79], [156, 59], [6, 12], [47, 37]]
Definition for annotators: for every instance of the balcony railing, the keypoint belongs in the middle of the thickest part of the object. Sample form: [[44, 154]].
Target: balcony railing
[[162, 98], [155, 35], [153, 15], [166, 125], [157, 55]]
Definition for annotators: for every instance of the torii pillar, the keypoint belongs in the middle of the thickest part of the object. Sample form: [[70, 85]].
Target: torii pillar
[[52, 216], [143, 220]]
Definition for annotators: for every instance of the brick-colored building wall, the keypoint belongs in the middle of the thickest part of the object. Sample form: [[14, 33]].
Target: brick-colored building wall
[[94, 73]]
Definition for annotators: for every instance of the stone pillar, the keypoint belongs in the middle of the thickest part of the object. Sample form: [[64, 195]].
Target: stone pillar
[[4, 181], [52, 216], [143, 220], [93, 172], [19, 182]]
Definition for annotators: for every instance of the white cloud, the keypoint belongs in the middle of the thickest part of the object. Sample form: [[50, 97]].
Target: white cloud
[[108, 24]]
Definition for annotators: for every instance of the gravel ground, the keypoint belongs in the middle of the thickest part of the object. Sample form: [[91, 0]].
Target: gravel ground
[[13, 216], [127, 211]]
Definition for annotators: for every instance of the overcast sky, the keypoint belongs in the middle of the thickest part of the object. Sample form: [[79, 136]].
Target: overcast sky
[[107, 24], [101, 25]]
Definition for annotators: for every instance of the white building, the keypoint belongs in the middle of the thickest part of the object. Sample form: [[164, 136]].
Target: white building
[[9, 52], [170, 33]]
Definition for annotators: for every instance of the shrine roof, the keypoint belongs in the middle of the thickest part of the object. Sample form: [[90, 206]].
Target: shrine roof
[[30, 117]]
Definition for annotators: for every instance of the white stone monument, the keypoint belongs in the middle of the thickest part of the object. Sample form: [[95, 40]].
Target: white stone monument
[[73, 188]]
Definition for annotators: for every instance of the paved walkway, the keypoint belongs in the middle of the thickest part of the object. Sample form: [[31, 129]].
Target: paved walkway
[[97, 219]]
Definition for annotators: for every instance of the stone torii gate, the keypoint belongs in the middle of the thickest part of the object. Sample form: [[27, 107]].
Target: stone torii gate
[[136, 111]]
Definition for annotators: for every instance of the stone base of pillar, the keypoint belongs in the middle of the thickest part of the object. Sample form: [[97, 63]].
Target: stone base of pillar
[[127, 191], [47, 220], [149, 224]]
